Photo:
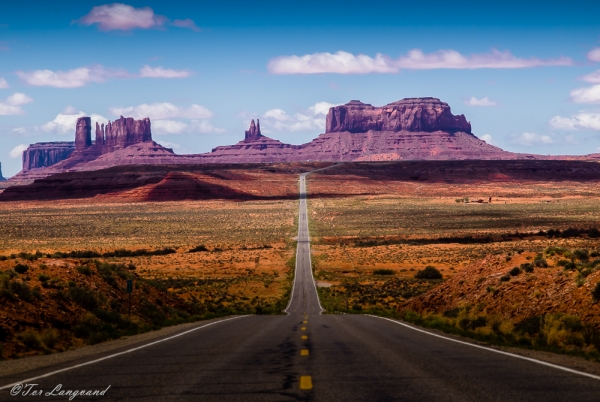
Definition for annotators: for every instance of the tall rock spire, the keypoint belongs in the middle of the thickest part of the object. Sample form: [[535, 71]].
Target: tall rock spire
[[253, 132]]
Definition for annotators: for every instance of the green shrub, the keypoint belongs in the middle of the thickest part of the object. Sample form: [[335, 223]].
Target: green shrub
[[21, 289], [49, 338], [85, 298], [430, 272], [527, 267], [383, 272], [30, 338], [84, 270], [581, 255], [505, 278], [562, 263], [541, 263], [43, 277], [199, 248], [515, 271], [21, 268]]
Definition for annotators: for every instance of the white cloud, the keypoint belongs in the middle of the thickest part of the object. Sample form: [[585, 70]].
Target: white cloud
[[65, 121], [485, 101], [3, 83], [586, 95], [530, 139], [312, 119], [594, 77], [167, 127], [582, 120], [163, 117], [12, 104], [77, 77], [186, 23], [487, 138], [19, 130], [162, 111], [159, 72], [571, 139], [17, 152], [594, 54], [124, 17], [347, 63], [82, 76]]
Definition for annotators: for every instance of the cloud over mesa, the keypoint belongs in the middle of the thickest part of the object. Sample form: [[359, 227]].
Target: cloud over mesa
[[581, 121], [311, 119], [123, 17], [485, 101], [586, 95], [65, 121], [347, 63], [163, 116], [531, 139], [12, 104], [17, 152]]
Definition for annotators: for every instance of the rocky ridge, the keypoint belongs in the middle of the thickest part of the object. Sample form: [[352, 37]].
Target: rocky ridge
[[409, 129]]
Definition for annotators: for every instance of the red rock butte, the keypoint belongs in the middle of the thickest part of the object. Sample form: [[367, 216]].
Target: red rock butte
[[409, 129]]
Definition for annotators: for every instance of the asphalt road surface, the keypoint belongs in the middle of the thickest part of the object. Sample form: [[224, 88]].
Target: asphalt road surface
[[305, 355]]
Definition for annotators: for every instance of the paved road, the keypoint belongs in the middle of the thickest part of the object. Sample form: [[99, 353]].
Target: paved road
[[308, 356]]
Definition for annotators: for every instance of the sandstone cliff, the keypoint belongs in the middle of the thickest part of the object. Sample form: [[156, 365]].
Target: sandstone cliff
[[409, 129], [411, 114], [1, 177], [45, 154]]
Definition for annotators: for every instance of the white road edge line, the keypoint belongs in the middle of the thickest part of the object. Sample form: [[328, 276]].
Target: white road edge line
[[309, 253], [296, 264], [543, 363], [116, 354]]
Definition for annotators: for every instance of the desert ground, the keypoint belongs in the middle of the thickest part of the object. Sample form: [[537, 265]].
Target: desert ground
[[374, 227]]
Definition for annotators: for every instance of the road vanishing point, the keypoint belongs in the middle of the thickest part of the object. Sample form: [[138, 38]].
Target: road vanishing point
[[306, 355]]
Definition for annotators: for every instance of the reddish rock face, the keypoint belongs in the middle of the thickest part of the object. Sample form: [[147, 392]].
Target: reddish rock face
[[253, 132], [411, 114], [83, 133], [122, 133], [45, 154]]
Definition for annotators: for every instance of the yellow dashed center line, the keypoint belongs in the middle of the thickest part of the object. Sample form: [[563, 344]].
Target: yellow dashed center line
[[304, 352], [304, 322], [305, 382], [304, 337], [303, 328]]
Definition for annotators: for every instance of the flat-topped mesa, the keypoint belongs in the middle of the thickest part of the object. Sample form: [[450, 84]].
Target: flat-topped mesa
[[410, 114], [253, 132], [44, 154]]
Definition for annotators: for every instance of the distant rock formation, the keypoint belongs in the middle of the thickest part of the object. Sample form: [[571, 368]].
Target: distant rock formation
[[409, 129], [411, 114], [122, 133], [253, 133], [1, 177], [44, 154]]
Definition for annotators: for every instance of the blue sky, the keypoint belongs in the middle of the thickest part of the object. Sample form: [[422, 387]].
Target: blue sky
[[524, 75]]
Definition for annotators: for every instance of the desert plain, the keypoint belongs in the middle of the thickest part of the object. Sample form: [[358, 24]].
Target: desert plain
[[513, 241]]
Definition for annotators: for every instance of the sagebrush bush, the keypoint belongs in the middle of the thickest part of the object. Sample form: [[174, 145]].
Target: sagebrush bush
[[383, 272], [49, 338], [430, 272], [84, 270], [21, 268], [30, 338]]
